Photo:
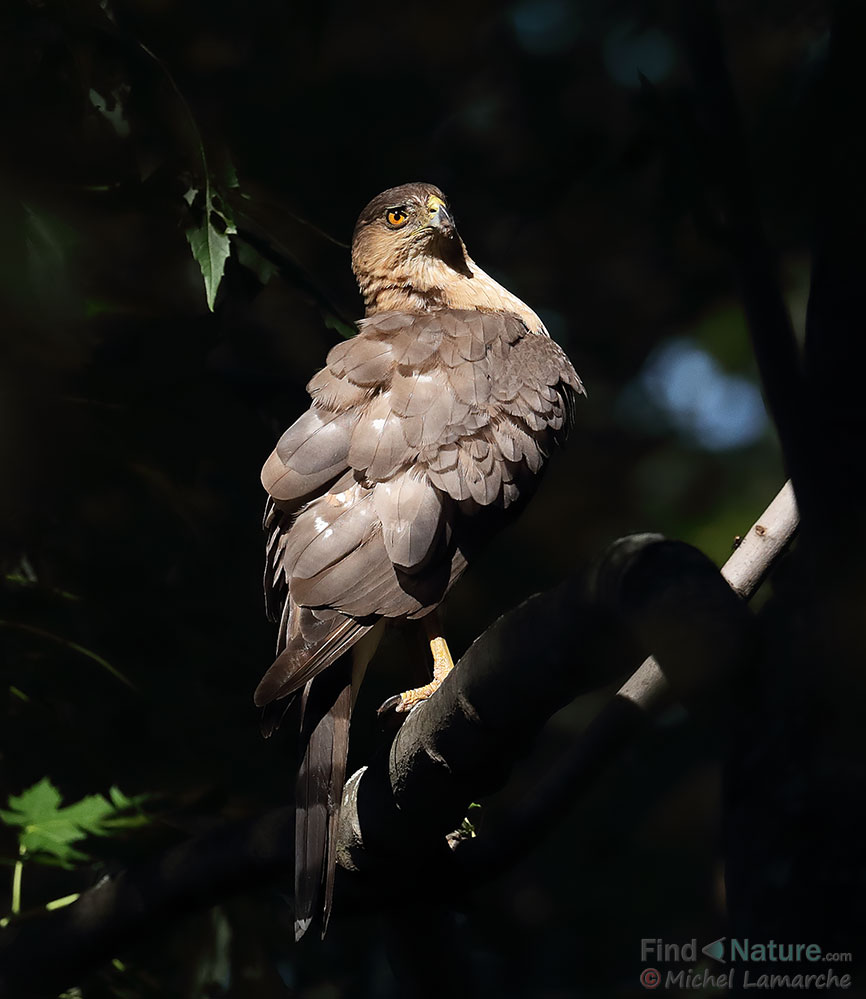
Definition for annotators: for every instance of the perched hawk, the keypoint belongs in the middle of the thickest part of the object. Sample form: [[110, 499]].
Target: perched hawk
[[427, 433]]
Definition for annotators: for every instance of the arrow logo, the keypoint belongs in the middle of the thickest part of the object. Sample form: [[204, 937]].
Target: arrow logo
[[716, 950]]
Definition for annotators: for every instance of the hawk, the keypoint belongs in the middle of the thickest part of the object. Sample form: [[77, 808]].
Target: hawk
[[427, 433]]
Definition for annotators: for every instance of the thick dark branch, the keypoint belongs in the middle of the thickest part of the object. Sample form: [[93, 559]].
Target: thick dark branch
[[458, 746], [51, 952], [461, 743], [41, 955], [769, 323]]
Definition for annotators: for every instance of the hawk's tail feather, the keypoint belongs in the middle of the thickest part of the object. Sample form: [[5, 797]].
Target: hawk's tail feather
[[326, 705]]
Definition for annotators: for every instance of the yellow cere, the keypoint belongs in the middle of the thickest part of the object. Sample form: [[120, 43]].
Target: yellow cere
[[434, 203]]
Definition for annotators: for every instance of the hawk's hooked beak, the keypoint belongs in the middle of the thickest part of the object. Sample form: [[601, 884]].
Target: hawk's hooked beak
[[440, 218]]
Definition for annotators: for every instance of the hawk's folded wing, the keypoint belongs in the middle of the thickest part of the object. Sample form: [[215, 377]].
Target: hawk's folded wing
[[424, 430]]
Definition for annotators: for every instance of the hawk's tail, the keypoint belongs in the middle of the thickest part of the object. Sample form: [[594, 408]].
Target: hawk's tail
[[326, 706]]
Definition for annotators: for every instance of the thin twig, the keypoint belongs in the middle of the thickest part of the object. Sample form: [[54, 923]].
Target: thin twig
[[745, 570], [73, 646], [15, 905]]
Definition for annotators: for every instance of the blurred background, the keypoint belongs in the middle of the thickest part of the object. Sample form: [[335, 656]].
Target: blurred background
[[134, 420]]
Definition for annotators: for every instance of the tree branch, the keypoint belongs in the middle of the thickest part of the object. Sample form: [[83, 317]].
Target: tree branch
[[454, 748], [744, 572], [667, 594]]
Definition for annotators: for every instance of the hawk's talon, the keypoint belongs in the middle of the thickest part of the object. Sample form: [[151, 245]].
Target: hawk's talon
[[392, 713], [388, 707], [412, 698], [403, 704]]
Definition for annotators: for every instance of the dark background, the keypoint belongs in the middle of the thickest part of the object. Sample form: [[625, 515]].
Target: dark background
[[133, 421]]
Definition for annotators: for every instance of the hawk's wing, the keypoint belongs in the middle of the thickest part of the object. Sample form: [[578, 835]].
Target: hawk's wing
[[424, 430]]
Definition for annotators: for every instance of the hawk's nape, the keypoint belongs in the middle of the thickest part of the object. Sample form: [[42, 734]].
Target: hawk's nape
[[427, 433]]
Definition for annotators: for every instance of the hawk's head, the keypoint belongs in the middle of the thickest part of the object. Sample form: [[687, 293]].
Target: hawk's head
[[406, 239], [408, 257]]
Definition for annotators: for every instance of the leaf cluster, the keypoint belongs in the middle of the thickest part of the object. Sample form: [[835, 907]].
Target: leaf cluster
[[47, 829]]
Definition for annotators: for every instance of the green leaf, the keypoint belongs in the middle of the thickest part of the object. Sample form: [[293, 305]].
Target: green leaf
[[47, 829], [211, 248], [119, 799], [209, 244]]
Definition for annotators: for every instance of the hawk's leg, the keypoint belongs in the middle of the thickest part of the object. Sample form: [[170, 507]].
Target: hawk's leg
[[442, 666]]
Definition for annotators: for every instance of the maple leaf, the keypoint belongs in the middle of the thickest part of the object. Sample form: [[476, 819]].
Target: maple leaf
[[47, 828]]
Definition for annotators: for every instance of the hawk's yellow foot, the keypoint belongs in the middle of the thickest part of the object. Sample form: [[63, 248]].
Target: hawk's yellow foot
[[442, 666]]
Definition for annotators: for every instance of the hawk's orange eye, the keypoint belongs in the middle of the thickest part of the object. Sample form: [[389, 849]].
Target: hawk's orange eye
[[397, 217]]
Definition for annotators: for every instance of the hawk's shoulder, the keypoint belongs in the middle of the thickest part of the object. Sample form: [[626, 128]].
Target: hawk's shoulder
[[472, 399], [472, 402]]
